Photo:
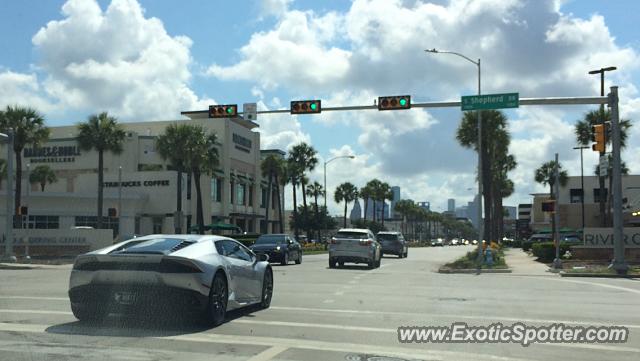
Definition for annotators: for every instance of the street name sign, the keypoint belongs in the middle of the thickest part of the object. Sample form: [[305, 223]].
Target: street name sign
[[490, 101]]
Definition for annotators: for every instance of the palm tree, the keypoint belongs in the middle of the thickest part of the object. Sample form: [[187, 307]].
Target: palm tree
[[316, 190], [305, 156], [3, 170], [281, 180], [102, 133], [494, 131], [374, 187], [296, 175], [546, 175], [365, 195], [384, 194], [403, 207], [269, 167], [28, 129], [202, 157], [346, 192], [584, 132], [42, 175], [171, 146], [504, 164]]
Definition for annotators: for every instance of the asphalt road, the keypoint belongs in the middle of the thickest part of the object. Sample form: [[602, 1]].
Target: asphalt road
[[319, 313]]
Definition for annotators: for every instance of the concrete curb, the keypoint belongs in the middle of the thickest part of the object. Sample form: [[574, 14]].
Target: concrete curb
[[23, 266], [596, 275], [473, 271]]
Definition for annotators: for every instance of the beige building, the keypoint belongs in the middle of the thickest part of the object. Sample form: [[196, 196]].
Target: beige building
[[570, 206], [236, 192]]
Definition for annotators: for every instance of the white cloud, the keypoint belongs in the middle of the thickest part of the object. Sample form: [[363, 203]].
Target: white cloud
[[117, 60], [21, 89]]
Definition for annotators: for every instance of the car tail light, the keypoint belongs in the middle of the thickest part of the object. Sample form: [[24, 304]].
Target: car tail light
[[366, 242], [169, 265]]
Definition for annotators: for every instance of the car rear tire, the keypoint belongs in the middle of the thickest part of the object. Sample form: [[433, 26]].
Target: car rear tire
[[332, 263], [267, 289], [89, 312], [406, 253], [371, 264], [285, 259], [299, 259], [218, 297], [340, 264]]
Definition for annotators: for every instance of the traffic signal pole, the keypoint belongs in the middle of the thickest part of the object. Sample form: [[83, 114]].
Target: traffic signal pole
[[619, 263]]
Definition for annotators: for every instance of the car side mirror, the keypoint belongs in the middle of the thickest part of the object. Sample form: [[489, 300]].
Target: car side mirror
[[262, 257]]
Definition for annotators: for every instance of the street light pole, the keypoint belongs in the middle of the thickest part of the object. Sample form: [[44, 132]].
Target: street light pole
[[601, 71], [8, 243], [582, 181], [325, 174], [480, 220]]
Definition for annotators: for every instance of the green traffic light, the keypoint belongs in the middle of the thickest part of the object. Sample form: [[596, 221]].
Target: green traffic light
[[229, 110], [313, 106], [403, 102]]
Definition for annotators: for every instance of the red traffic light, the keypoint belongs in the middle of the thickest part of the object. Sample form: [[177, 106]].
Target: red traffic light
[[223, 111], [306, 106], [394, 102]]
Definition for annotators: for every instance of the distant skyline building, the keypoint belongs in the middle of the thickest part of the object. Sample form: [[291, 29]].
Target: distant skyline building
[[378, 209], [356, 211], [395, 190], [511, 212], [451, 205], [472, 211]]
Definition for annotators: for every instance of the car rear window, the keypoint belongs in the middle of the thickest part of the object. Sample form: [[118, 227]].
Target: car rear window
[[271, 239], [388, 237], [155, 245], [352, 235]]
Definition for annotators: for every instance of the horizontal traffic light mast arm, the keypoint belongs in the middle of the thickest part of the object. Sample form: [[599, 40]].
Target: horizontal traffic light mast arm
[[450, 104]]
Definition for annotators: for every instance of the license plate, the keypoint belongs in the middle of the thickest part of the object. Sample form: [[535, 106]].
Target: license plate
[[125, 298]]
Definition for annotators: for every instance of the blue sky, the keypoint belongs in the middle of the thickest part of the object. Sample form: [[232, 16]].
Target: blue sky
[[148, 60]]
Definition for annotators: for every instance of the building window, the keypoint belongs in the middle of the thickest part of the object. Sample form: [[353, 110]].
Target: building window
[[157, 224], [596, 195], [216, 190], [188, 185], [92, 221], [136, 225], [41, 222], [241, 188], [263, 197], [250, 224], [575, 195], [250, 196]]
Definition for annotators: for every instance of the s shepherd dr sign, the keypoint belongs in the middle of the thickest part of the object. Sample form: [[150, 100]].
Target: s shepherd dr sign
[[603, 237]]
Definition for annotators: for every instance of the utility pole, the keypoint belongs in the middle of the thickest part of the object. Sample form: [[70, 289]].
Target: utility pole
[[557, 263], [8, 242], [603, 217], [582, 181]]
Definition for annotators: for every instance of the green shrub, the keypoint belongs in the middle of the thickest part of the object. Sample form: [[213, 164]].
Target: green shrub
[[546, 251], [526, 245]]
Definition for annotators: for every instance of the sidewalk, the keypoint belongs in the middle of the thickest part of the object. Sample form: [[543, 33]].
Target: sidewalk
[[521, 263], [28, 266]]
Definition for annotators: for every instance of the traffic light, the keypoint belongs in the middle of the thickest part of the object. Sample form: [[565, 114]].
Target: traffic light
[[598, 137], [223, 111], [394, 102], [111, 212], [306, 106]]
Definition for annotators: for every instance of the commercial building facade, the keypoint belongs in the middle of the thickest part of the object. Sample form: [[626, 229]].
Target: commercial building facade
[[140, 189]]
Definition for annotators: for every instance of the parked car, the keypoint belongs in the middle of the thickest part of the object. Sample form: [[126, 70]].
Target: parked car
[[454, 242], [393, 243], [281, 248], [354, 245], [205, 275], [541, 237], [437, 242]]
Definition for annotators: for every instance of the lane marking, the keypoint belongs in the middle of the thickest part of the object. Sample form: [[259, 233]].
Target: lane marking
[[440, 315], [39, 312], [34, 298], [328, 301], [339, 293], [619, 288], [287, 343], [317, 325], [269, 353]]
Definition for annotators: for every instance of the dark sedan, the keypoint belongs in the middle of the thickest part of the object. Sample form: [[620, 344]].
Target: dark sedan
[[281, 248]]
